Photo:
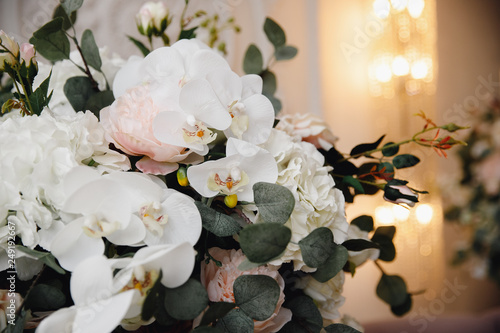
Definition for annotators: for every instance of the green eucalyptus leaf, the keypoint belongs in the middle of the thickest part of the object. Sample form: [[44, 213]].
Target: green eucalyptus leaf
[[20, 321], [236, 321], [363, 222], [90, 50], [215, 311], [317, 247], [392, 290], [253, 62], [70, 6], [405, 161], [285, 52], [401, 310], [268, 83], [219, 224], [206, 329], [256, 295], [359, 245], [262, 242], [383, 236], [388, 231], [99, 100], [365, 147], [275, 202], [305, 315], [44, 297], [45, 257], [51, 41], [340, 328], [390, 149], [332, 265], [68, 21], [78, 90], [144, 50], [187, 301], [274, 33], [354, 183]]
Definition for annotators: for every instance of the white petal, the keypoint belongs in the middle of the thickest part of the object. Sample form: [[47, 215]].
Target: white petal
[[103, 316], [71, 246], [226, 85], [128, 76], [132, 234], [205, 61], [163, 63], [260, 114], [198, 98], [77, 177], [167, 127], [252, 84], [91, 280], [198, 176], [59, 321]]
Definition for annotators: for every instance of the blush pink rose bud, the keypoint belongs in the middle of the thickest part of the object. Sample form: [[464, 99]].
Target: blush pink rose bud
[[128, 123], [400, 194], [9, 51], [28, 55], [152, 19]]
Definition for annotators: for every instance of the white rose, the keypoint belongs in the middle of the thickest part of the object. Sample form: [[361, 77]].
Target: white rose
[[327, 296], [152, 18], [308, 127]]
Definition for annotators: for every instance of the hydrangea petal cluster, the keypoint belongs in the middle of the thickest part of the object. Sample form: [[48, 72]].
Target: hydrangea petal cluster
[[317, 204]]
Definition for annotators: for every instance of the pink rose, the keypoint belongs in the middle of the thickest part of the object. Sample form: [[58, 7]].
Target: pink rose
[[129, 126], [219, 284], [309, 128], [28, 54]]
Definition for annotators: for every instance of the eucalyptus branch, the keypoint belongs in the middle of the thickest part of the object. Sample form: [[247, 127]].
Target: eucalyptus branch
[[381, 186], [24, 89], [87, 69], [379, 267]]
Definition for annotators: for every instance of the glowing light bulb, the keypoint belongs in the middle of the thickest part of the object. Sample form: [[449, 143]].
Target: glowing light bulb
[[419, 69], [416, 7], [383, 73], [400, 66], [399, 5], [384, 215], [400, 213], [424, 213], [382, 8]]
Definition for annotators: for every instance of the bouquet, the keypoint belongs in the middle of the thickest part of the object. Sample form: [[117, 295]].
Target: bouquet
[[475, 205], [162, 194]]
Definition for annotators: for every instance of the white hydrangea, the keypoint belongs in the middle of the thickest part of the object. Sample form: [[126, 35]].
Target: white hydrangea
[[36, 152], [317, 203]]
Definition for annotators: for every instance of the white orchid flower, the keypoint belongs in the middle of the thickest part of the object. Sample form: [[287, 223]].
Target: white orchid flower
[[244, 165], [98, 307], [251, 112]]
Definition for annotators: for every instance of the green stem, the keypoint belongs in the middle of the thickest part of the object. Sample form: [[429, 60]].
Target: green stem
[[25, 92], [379, 267], [87, 69], [183, 14], [381, 186]]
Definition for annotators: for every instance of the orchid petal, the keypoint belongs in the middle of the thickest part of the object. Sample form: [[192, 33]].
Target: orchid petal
[[260, 114], [252, 85], [226, 85], [204, 62], [59, 321], [134, 233], [91, 280]]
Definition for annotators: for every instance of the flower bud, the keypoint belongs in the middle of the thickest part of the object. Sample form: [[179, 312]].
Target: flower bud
[[29, 65], [152, 19], [9, 51], [400, 194], [182, 177], [451, 127], [231, 200]]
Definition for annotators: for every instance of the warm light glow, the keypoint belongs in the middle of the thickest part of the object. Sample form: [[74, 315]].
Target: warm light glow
[[384, 215], [400, 66], [382, 8], [399, 5], [383, 73], [424, 213], [419, 69], [401, 213], [416, 7]]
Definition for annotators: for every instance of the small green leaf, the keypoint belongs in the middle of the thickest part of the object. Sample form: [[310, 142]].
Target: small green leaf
[[354, 183], [20, 321], [187, 301], [67, 21], [317, 247], [215, 311], [392, 290], [405, 161], [383, 236], [390, 149], [332, 265], [275, 202], [305, 315], [188, 34], [274, 33], [90, 50], [359, 245], [285, 52], [388, 231], [365, 147], [256, 295], [78, 90], [401, 310], [99, 100], [39, 98], [219, 224], [268, 83], [51, 41], [253, 62], [264, 241], [144, 50], [363, 222], [45, 298], [340, 328], [236, 321], [49, 28], [71, 5], [45, 257]]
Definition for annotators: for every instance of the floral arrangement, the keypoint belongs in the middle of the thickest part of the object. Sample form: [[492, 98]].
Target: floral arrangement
[[475, 203], [162, 194]]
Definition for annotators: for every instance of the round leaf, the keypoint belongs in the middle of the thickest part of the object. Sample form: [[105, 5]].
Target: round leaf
[[332, 265], [275, 202], [236, 321], [219, 224], [274, 33], [305, 314], [253, 62], [256, 295], [401, 310], [390, 149], [340, 328], [90, 50], [392, 290], [187, 301], [363, 222], [215, 311], [317, 247], [405, 161], [44, 297], [264, 241]]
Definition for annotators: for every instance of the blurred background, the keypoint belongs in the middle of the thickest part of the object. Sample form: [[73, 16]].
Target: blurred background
[[366, 67]]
